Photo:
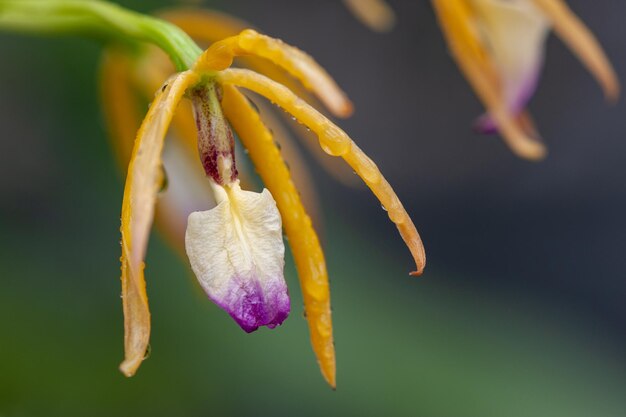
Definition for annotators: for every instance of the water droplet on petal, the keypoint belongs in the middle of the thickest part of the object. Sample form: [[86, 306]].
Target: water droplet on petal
[[164, 180], [253, 105], [148, 352]]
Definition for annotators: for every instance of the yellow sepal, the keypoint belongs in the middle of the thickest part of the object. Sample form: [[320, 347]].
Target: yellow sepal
[[142, 185], [303, 240]]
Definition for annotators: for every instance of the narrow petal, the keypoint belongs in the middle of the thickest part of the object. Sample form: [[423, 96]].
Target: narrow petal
[[583, 43], [463, 37], [122, 94], [236, 251], [296, 62], [303, 240], [335, 142], [375, 14], [142, 185]]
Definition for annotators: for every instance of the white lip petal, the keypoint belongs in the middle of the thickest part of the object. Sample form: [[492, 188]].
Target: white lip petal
[[237, 253], [515, 31]]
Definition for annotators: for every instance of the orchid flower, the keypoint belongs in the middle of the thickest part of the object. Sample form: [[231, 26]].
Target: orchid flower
[[235, 249], [499, 46]]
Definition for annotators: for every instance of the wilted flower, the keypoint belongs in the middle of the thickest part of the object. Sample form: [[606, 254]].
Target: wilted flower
[[236, 249], [499, 46]]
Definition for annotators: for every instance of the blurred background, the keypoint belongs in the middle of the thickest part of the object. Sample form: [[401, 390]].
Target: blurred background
[[520, 311]]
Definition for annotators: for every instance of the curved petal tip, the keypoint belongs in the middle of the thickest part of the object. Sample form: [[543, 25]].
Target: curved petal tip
[[252, 306]]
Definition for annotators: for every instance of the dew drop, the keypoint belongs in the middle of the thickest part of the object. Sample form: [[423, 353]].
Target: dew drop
[[323, 329], [164, 180], [333, 142], [334, 148], [148, 352], [396, 216], [253, 105]]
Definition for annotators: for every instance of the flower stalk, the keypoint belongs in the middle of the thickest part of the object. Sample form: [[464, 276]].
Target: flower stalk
[[101, 19]]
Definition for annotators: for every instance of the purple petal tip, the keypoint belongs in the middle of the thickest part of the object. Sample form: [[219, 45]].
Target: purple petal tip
[[253, 305], [485, 125]]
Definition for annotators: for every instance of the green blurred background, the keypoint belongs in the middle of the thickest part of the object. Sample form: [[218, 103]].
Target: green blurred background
[[520, 311]]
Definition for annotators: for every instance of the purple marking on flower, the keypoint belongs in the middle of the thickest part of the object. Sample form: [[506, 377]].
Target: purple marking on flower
[[485, 125], [253, 304], [215, 138], [523, 92]]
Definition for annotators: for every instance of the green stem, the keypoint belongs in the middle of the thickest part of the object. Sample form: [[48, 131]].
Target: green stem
[[98, 18]]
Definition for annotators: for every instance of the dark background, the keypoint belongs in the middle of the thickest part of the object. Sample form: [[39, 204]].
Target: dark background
[[520, 311]]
